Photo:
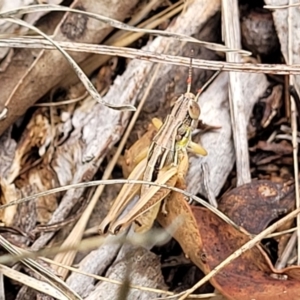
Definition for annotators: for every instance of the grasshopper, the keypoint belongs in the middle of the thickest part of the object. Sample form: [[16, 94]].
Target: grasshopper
[[166, 163]]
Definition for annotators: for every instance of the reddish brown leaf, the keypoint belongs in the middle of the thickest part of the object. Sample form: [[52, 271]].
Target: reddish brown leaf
[[253, 206], [208, 240], [248, 276]]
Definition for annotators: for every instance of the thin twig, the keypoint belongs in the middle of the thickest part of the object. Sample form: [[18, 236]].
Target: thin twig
[[275, 234], [279, 69], [286, 254], [125, 181], [18, 254], [2, 289], [294, 126], [64, 102], [117, 24], [281, 6]]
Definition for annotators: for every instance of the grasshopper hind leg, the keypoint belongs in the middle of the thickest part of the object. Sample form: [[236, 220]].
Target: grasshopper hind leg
[[145, 222]]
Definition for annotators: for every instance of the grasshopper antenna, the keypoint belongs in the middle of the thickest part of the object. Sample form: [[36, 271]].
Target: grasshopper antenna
[[211, 79], [189, 80]]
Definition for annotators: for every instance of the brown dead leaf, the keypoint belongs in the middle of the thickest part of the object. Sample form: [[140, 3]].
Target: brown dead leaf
[[264, 199], [287, 160], [37, 134], [36, 175], [9, 193], [265, 110], [43, 178], [104, 76], [262, 159], [208, 240], [282, 148], [272, 104], [247, 277]]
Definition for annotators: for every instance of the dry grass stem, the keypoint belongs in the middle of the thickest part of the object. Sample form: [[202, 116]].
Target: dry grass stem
[[279, 69], [119, 25]]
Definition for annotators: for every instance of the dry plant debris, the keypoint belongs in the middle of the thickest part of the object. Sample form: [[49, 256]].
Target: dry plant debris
[[59, 128]]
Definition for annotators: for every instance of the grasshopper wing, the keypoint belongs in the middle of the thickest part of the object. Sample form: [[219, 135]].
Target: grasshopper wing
[[126, 194], [153, 196]]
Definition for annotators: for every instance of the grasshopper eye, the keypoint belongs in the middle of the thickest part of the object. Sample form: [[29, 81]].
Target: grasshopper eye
[[194, 110]]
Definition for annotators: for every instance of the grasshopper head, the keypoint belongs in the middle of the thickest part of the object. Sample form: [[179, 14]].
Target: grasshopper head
[[193, 107], [194, 110]]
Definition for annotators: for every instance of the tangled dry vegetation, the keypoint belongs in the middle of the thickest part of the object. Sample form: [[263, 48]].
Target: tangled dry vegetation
[[78, 92]]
